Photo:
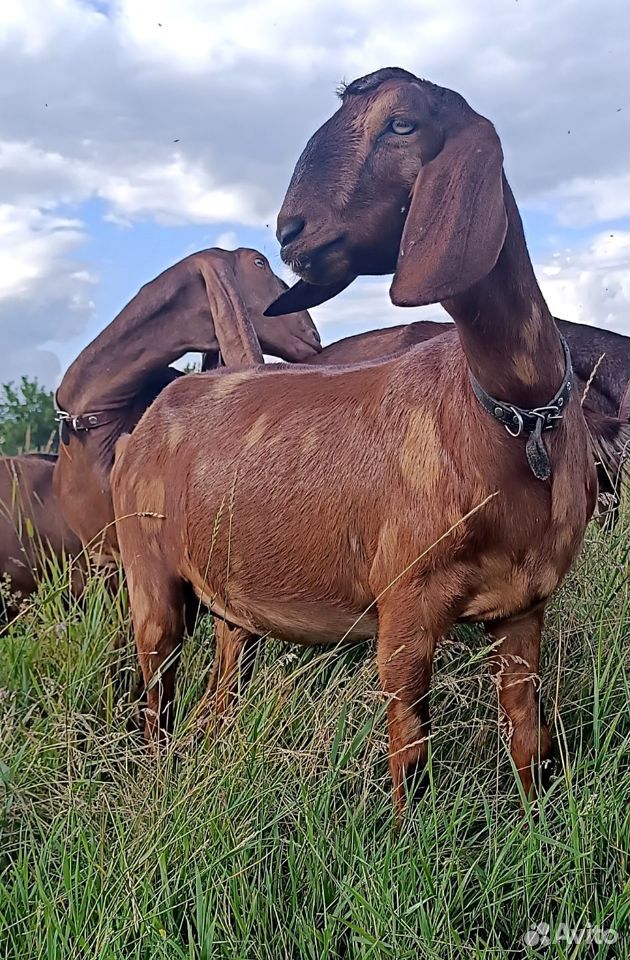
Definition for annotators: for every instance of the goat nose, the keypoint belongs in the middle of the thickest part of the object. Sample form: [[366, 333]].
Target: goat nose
[[289, 230]]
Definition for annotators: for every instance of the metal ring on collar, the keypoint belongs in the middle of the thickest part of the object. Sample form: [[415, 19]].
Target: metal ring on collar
[[519, 420]]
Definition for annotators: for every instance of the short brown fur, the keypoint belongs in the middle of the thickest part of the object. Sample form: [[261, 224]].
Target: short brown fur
[[346, 540], [600, 359]]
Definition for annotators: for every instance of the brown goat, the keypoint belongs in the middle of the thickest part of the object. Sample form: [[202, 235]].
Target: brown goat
[[600, 359], [199, 304], [379, 498], [32, 529]]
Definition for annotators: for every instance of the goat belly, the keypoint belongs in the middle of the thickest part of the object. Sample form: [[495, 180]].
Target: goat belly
[[308, 624]]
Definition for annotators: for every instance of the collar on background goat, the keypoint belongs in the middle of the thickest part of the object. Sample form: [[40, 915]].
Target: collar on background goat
[[84, 421], [517, 420]]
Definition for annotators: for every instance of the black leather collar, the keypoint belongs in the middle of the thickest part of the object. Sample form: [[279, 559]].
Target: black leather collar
[[83, 421], [86, 421], [517, 420]]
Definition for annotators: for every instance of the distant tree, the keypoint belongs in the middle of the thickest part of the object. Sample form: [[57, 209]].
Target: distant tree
[[192, 366], [27, 417]]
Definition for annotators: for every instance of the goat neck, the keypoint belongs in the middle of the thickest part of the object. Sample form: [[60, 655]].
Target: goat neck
[[508, 335], [166, 319]]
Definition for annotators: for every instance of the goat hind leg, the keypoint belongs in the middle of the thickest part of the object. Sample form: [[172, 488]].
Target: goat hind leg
[[158, 619], [235, 658]]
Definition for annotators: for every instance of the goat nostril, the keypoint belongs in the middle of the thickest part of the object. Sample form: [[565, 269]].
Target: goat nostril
[[289, 230]]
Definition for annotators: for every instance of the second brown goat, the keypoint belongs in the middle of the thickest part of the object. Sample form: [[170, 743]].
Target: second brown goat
[[203, 303]]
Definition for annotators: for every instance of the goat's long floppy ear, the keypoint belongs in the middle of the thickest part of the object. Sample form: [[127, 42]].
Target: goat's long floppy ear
[[457, 222], [234, 330], [303, 296]]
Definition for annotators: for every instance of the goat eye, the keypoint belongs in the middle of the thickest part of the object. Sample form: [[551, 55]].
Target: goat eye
[[259, 262], [402, 127]]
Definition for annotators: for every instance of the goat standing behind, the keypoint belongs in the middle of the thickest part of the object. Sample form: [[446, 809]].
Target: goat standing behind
[[32, 529]]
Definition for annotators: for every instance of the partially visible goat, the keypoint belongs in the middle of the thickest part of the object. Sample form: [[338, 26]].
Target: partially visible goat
[[203, 303], [32, 529], [380, 497]]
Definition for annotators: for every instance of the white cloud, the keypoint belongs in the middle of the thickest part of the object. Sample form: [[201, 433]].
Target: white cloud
[[199, 38], [366, 306], [240, 85], [44, 294], [227, 240], [175, 192], [40, 177], [584, 200], [591, 284], [588, 283]]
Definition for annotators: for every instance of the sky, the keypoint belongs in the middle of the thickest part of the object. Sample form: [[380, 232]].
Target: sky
[[134, 132]]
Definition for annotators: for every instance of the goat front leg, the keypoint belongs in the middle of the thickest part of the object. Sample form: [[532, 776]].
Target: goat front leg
[[235, 658], [515, 663], [405, 658]]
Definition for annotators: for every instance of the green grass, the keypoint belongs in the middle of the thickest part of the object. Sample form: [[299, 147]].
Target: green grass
[[275, 839]]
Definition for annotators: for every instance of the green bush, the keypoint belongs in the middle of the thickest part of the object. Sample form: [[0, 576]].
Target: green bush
[[27, 417]]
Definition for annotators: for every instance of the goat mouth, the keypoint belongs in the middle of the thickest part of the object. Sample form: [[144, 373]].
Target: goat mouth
[[312, 341], [304, 295], [319, 265], [294, 351], [306, 349]]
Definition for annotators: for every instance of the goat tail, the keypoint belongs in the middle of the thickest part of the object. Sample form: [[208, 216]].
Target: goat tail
[[610, 442]]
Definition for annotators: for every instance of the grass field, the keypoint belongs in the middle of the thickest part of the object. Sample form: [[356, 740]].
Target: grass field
[[274, 839]]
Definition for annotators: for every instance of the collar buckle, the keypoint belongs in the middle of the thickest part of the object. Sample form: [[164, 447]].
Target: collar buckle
[[533, 422], [81, 422], [548, 414]]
